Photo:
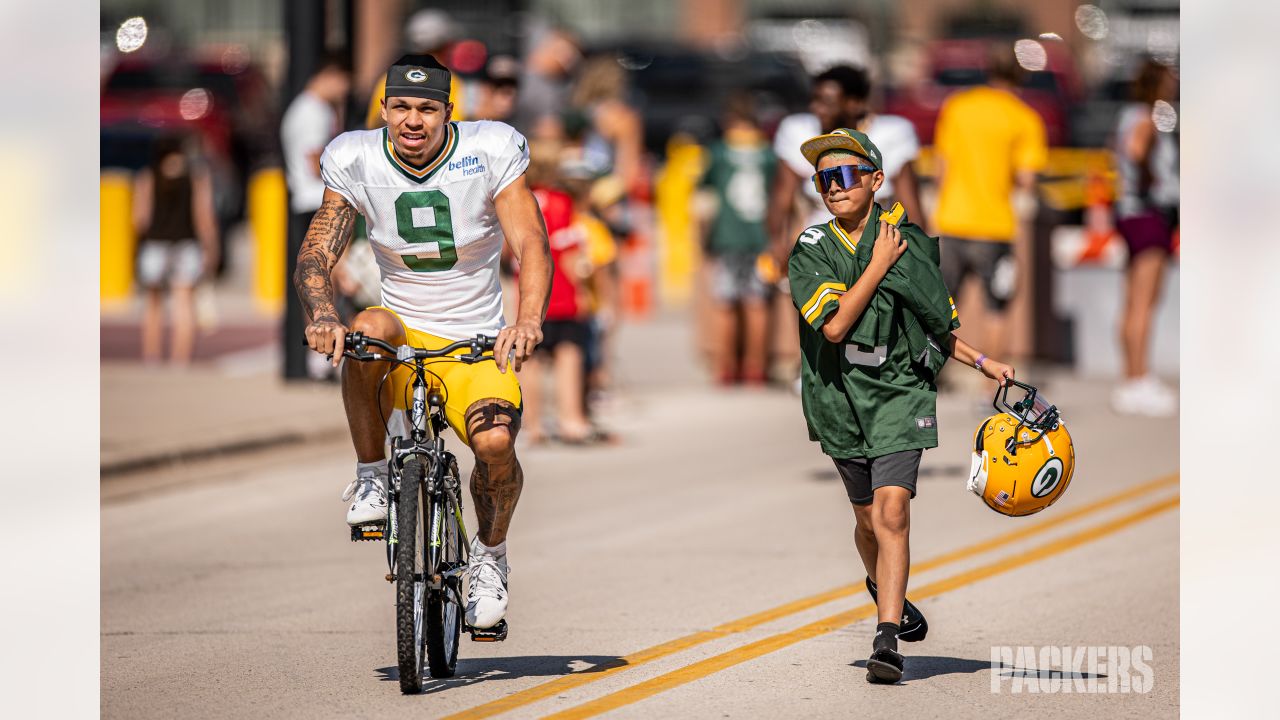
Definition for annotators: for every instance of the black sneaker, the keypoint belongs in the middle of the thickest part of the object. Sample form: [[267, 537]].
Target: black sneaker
[[884, 666], [913, 625]]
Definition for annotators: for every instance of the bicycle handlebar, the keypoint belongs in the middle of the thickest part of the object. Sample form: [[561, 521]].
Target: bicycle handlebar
[[354, 344], [358, 341]]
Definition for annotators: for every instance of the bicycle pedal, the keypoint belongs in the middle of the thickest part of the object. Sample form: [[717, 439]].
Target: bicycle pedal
[[497, 633], [368, 531]]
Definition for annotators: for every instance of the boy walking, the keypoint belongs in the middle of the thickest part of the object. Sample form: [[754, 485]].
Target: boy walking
[[876, 328]]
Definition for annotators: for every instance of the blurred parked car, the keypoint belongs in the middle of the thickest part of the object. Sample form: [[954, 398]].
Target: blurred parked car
[[954, 64], [680, 88], [225, 101], [1093, 121]]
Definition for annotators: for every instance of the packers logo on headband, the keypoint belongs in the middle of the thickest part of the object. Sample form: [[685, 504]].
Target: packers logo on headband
[[415, 75]]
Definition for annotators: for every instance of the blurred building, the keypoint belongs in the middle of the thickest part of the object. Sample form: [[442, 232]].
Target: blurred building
[[889, 36], [252, 27], [223, 68]]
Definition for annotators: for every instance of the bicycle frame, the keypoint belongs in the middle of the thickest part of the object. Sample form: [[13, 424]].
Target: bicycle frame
[[436, 582], [426, 424]]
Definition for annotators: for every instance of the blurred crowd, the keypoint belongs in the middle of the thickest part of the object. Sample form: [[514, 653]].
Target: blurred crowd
[[989, 150], [965, 170]]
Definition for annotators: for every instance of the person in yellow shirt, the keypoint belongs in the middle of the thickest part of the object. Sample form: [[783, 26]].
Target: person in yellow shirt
[[988, 143]]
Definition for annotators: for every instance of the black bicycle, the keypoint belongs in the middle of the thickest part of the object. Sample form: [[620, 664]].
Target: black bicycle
[[427, 546]]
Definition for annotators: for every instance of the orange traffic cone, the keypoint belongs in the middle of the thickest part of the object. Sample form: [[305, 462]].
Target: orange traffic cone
[[1099, 230], [636, 276]]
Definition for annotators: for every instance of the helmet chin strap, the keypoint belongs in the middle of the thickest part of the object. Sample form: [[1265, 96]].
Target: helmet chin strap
[[1045, 437], [978, 473]]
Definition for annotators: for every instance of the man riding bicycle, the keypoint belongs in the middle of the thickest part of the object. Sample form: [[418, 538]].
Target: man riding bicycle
[[438, 198]]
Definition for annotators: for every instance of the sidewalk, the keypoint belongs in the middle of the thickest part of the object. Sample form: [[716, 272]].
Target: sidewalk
[[236, 402], [154, 416], [230, 400]]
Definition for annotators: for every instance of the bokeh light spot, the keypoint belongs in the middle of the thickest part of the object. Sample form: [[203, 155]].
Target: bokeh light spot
[[1164, 116], [1030, 54], [1092, 21], [131, 35], [235, 59], [194, 104]]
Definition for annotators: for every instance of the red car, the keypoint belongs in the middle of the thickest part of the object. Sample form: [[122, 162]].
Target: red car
[[227, 104]]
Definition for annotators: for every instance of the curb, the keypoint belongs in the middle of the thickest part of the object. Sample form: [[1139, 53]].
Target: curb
[[130, 466]]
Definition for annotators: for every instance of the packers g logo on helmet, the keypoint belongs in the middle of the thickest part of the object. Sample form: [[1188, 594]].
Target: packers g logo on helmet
[[1023, 458]]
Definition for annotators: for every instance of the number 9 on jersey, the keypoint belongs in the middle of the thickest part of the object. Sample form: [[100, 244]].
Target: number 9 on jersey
[[423, 217]]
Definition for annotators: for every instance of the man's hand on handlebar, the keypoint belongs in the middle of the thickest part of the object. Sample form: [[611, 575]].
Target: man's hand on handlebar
[[518, 342], [327, 336], [357, 347]]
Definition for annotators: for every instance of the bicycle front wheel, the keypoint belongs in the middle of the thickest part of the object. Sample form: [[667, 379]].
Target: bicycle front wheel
[[410, 582], [444, 606]]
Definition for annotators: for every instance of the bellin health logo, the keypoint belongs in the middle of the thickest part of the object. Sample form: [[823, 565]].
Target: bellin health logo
[[469, 165]]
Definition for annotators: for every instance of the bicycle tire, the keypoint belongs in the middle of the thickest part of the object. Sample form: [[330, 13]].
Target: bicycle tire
[[444, 612], [410, 584]]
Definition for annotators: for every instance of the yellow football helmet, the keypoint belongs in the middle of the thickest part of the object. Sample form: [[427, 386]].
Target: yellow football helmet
[[1023, 458]]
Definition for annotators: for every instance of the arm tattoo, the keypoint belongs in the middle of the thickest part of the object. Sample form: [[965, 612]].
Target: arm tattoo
[[327, 238]]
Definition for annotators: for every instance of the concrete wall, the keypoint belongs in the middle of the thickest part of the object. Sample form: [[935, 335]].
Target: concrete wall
[[1093, 297]]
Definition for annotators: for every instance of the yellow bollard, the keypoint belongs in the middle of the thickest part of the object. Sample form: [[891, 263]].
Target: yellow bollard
[[269, 224], [673, 195], [117, 241]]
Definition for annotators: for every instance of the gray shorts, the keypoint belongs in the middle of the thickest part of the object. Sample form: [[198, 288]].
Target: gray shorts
[[734, 278], [991, 261], [169, 263], [862, 476]]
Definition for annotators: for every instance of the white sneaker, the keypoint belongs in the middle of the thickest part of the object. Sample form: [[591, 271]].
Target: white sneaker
[[1156, 387], [1144, 396], [487, 594], [370, 492]]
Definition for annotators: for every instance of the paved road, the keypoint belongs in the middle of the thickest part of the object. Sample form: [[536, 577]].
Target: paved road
[[702, 568]]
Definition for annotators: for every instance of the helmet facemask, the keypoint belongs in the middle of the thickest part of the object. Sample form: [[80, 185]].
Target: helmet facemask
[[1032, 412]]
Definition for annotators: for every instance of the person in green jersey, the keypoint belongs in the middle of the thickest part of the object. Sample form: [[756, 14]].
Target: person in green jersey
[[739, 170], [877, 325]]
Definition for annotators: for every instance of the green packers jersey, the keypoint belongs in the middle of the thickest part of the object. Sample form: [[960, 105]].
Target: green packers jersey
[[860, 400], [740, 175]]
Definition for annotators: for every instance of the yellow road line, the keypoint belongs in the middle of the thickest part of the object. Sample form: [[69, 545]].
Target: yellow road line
[[999, 541], [711, 665], [565, 683]]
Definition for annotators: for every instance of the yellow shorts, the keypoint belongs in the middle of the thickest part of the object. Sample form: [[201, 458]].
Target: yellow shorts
[[464, 384]]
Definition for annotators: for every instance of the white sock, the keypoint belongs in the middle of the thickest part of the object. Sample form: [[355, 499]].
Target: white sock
[[379, 467], [496, 551]]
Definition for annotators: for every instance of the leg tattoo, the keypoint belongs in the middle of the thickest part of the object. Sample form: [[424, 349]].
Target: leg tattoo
[[497, 479], [495, 498]]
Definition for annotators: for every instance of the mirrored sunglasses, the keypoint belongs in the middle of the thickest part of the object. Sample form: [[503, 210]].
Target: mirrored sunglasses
[[846, 176]]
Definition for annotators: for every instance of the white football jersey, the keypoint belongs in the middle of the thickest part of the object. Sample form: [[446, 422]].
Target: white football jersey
[[433, 229]]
